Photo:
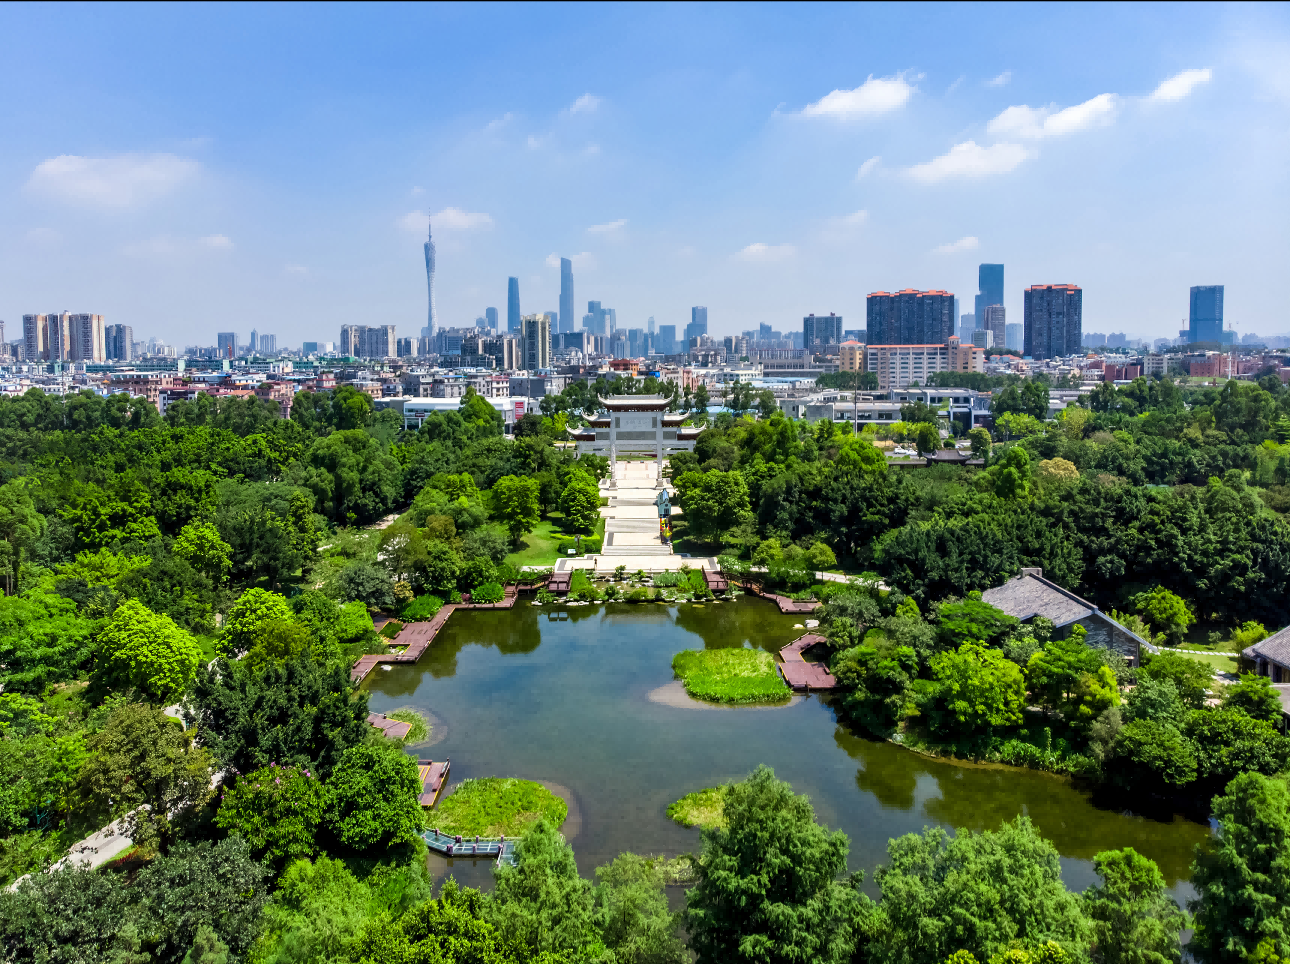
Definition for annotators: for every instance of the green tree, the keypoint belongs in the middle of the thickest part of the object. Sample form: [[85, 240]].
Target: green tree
[[21, 527], [978, 892], [1254, 696], [247, 618], [1229, 742], [768, 882], [1244, 878], [145, 650], [970, 620], [979, 689], [714, 502], [1191, 678], [516, 505], [580, 502], [980, 439], [1072, 678], [142, 766], [277, 810], [199, 544], [701, 400], [631, 912], [1152, 756], [207, 948], [927, 439], [1166, 612], [372, 798], [1135, 921]]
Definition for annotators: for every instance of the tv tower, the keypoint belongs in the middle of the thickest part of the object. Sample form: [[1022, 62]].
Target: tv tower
[[429, 330]]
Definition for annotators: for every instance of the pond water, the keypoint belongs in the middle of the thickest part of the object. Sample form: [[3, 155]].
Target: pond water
[[588, 704]]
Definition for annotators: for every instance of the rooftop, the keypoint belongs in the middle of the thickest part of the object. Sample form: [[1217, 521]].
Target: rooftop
[[1275, 648], [1030, 594]]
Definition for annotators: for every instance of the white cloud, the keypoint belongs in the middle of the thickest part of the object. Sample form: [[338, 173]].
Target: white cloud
[[166, 246], [686, 251], [868, 167], [763, 253], [417, 191], [43, 236], [296, 270], [1180, 85], [114, 183], [608, 228], [875, 96], [1036, 122], [217, 242], [447, 221], [851, 220], [585, 104], [969, 159], [1003, 80], [585, 260], [498, 123], [844, 226], [958, 247]]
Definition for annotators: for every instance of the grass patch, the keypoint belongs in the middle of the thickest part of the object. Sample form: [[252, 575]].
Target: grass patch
[[1218, 661], [420, 731], [391, 629], [702, 808], [539, 547], [730, 675], [497, 805]]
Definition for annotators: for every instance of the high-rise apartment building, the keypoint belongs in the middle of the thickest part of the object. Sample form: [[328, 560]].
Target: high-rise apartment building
[[1206, 321], [368, 341], [567, 321], [405, 348], [1054, 320], [698, 324], [254, 345], [994, 322], [118, 341], [64, 337], [535, 339], [910, 317], [513, 305], [899, 366], [821, 330], [227, 343], [268, 344], [989, 291], [432, 322], [35, 337], [490, 316], [1014, 336]]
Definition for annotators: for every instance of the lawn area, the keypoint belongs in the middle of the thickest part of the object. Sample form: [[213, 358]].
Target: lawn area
[[497, 805], [702, 808], [538, 547], [730, 675], [1220, 662]]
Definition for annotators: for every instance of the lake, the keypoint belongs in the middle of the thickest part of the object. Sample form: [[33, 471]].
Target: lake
[[588, 704]]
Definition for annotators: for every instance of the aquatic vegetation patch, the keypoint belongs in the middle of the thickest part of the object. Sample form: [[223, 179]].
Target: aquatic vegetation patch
[[730, 675], [492, 806], [702, 808], [420, 731]]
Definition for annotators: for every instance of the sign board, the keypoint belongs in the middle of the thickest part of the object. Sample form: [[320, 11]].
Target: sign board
[[664, 505]]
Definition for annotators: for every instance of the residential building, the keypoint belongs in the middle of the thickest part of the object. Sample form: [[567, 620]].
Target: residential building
[[64, 337], [536, 341], [368, 341], [567, 321], [1014, 336], [851, 356], [1111, 372], [995, 323], [854, 334], [910, 317], [989, 292], [35, 342], [268, 344], [504, 350], [253, 345], [405, 348], [1206, 319], [432, 320], [513, 321], [118, 340], [899, 366], [227, 343], [698, 324], [1053, 321], [983, 338], [821, 330]]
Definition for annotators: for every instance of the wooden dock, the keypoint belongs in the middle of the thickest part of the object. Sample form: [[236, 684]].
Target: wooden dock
[[433, 778], [500, 849], [798, 673], [394, 729], [786, 605]]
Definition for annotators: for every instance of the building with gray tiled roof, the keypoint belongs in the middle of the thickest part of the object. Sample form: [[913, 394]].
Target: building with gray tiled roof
[[1271, 657]]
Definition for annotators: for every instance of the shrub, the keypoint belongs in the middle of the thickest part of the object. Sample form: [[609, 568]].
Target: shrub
[[566, 546], [545, 596], [489, 592], [421, 608], [666, 580], [391, 629], [640, 595], [593, 544]]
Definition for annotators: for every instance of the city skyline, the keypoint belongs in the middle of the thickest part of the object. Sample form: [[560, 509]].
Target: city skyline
[[1137, 167]]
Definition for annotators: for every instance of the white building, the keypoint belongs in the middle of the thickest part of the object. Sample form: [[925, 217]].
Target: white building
[[635, 423]]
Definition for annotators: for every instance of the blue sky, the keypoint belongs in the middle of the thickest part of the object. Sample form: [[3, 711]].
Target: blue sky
[[193, 169]]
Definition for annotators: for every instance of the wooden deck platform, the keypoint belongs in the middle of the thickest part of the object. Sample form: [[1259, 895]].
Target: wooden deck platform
[[500, 849], [786, 605], [715, 581], [433, 777], [394, 729], [559, 581], [801, 675]]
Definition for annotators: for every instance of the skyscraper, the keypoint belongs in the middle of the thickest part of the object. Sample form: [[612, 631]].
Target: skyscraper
[[490, 315], [698, 324], [433, 320], [1206, 322], [990, 291], [1054, 320], [118, 340], [910, 317], [513, 304], [567, 321], [535, 341], [227, 341], [1014, 336], [995, 322], [821, 330], [254, 344], [649, 325], [666, 339], [268, 344]]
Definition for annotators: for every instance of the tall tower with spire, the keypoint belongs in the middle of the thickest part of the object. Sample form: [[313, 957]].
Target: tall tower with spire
[[432, 325]]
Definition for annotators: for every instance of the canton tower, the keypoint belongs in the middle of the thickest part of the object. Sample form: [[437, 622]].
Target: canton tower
[[429, 330]]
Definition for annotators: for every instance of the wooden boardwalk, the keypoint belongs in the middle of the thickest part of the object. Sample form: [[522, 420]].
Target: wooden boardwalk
[[798, 673], [433, 777], [786, 605], [394, 729], [416, 637], [501, 849]]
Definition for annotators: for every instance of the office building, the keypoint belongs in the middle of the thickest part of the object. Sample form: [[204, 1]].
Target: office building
[[853, 334], [1054, 321], [227, 342], [995, 323], [983, 338], [967, 325], [309, 348], [989, 292], [490, 316], [1206, 320], [665, 342], [899, 366], [118, 340], [567, 321], [649, 326], [598, 320], [536, 341], [910, 317], [821, 330], [1013, 337], [254, 345], [513, 305], [432, 319], [698, 325]]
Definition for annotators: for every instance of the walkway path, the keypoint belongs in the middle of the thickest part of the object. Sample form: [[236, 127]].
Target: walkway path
[[798, 673], [500, 848]]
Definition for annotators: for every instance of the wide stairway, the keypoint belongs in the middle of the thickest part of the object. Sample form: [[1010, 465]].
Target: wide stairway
[[631, 518]]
